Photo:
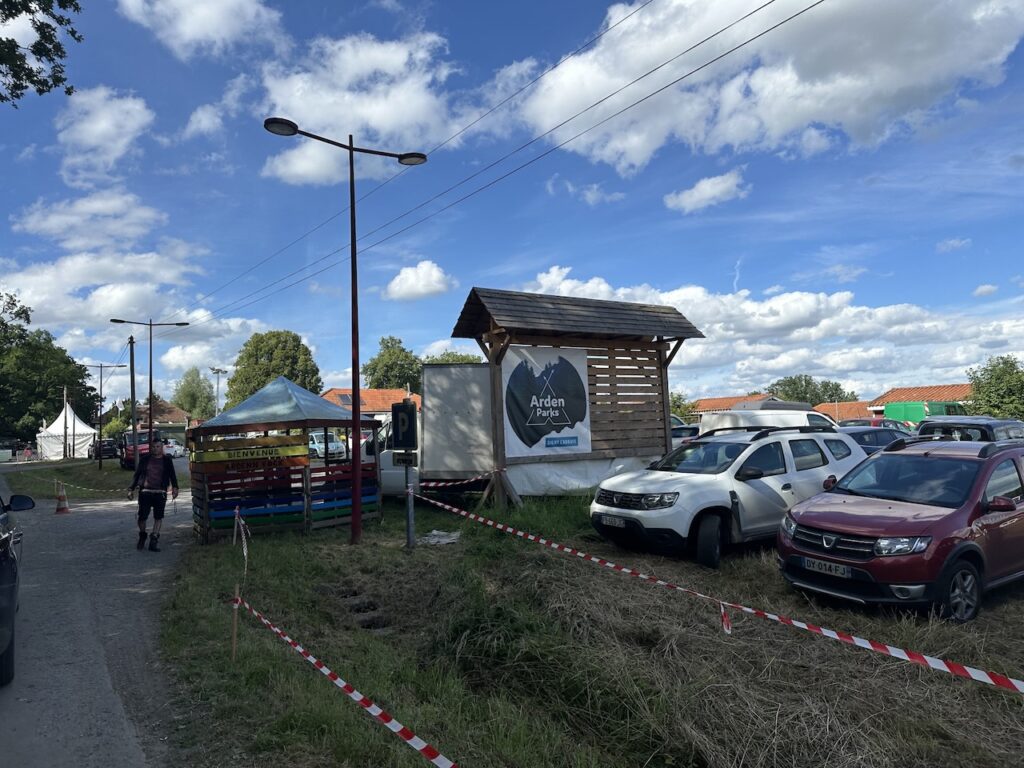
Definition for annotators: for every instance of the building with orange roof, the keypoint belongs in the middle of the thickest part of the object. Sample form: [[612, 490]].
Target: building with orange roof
[[856, 409], [717, 404], [373, 402]]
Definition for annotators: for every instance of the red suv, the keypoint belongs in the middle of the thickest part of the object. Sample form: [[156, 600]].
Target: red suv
[[919, 523]]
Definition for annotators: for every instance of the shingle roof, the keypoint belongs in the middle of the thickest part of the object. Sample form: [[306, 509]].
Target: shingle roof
[[370, 400], [545, 314], [857, 409], [708, 404], [955, 393]]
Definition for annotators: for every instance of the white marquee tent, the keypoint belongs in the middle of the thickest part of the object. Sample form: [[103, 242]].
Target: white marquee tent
[[79, 436]]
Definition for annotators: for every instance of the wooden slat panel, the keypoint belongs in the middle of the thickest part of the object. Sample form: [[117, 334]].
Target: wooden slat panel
[[250, 442], [653, 443]]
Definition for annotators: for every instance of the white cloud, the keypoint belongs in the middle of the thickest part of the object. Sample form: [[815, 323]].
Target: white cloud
[[953, 244], [26, 154], [208, 119], [19, 28], [388, 93], [98, 128], [425, 279], [751, 341], [709, 191], [847, 71], [986, 289], [101, 219], [191, 27], [449, 345], [844, 273], [337, 378], [592, 194], [771, 290]]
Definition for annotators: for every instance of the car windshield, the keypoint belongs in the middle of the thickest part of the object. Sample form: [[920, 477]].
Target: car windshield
[[953, 431], [705, 458], [917, 479]]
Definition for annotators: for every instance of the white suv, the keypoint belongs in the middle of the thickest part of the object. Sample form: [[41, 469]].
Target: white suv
[[732, 485]]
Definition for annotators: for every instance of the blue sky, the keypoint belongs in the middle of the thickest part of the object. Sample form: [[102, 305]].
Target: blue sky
[[842, 197]]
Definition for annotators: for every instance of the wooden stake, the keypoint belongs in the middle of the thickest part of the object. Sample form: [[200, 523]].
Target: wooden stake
[[234, 624]]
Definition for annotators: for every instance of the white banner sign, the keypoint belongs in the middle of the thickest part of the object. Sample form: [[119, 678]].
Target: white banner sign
[[547, 409]]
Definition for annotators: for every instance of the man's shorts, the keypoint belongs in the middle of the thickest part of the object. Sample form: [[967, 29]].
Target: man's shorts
[[151, 501]]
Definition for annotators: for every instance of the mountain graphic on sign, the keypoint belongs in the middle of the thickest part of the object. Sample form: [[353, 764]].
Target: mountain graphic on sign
[[539, 404]]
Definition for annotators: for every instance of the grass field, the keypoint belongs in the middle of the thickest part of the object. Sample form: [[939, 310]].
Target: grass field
[[503, 654], [83, 480]]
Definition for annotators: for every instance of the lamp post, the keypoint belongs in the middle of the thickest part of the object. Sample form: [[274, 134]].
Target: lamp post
[[282, 127], [99, 440], [216, 404], [150, 324]]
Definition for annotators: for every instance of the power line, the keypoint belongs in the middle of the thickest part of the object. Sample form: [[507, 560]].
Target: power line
[[517, 168], [221, 310], [444, 143]]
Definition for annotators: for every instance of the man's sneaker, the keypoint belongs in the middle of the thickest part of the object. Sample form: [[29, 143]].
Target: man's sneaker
[[153, 539], [142, 540]]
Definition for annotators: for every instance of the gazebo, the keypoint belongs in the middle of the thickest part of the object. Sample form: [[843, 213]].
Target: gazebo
[[255, 457]]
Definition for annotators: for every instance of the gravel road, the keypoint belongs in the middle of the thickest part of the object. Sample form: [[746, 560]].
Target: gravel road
[[89, 687]]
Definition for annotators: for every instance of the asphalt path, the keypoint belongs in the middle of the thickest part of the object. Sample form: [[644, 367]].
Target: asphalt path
[[89, 687]]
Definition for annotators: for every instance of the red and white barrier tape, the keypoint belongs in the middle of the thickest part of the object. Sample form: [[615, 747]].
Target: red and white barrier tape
[[243, 529], [958, 670], [410, 738], [448, 483]]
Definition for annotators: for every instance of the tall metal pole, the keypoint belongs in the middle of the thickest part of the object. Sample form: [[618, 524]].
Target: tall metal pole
[[99, 437], [135, 419], [357, 458], [150, 438]]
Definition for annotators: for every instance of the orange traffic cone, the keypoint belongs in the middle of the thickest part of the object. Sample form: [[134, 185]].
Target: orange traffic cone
[[62, 501]]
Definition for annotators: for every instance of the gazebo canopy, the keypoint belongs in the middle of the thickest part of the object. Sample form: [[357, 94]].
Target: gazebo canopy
[[281, 404]]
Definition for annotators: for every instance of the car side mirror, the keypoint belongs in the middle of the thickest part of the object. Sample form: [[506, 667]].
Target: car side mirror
[[830, 483], [749, 473], [1001, 504], [20, 503]]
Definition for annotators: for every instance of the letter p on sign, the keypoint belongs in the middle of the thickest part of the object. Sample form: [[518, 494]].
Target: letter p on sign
[[403, 425]]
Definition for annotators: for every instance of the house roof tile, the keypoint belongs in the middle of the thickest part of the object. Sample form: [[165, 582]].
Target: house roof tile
[[370, 400], [956, 393], [857, 409]]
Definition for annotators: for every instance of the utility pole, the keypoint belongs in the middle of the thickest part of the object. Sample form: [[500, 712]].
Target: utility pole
[[217, 372], [135, 420], [99, 439]]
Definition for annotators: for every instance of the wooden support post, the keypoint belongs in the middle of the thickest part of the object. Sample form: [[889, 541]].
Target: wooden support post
[[496, 353], [234, 622], [307, 498], [663, 365]]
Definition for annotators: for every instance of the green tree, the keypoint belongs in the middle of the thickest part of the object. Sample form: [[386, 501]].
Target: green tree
[[807, 389], [451, 356], [115, 425], [997, 388], [264, 357], [682, 407], [393, 367], [14, 316], [194, 394], [40, 64]]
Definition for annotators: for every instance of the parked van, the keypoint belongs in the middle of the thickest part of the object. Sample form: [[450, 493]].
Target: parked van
[[770, 413]]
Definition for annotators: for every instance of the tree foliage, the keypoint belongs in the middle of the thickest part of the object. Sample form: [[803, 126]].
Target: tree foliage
[[998, 388], [39, 65], [33, 374], [393, 367], [194, 394], [115, 425], [806, 389], [682, 407], [264, 357], [451, 356]]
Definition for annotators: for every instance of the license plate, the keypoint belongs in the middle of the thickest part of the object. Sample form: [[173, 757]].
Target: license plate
[[831, 569], [614, 522]]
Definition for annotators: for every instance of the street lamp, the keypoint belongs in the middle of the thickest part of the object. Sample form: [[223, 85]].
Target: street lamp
[[150, 324], [279, 126], [217, 372]]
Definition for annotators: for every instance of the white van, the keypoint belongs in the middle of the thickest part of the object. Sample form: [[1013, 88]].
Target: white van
[[771, 414]]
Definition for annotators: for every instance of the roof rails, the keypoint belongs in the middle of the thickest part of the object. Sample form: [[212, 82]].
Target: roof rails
[[748, 428], [990, 449], [765, 431], [902, 442]]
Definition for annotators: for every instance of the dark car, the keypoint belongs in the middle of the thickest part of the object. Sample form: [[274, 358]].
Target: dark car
[[920, 523], [983, 428], [107, 449], [872, 439], [876, 421], [10, 551]]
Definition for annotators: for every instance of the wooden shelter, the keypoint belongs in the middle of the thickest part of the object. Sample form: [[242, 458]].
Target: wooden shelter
[[628, 348], [255, 456]]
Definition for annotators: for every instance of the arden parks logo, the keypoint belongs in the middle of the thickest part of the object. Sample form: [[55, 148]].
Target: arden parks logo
[[539, 404]]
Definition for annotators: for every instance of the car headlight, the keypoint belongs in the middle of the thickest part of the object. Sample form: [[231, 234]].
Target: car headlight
[[902, 545], [789, 525], [659, 500]]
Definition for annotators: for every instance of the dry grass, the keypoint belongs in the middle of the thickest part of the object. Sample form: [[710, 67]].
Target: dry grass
[[509, 655]]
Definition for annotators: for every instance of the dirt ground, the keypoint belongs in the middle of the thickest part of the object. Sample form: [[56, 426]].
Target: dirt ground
[[89, 688]]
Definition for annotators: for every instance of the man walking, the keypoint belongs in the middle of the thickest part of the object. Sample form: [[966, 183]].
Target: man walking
[[154, 473]]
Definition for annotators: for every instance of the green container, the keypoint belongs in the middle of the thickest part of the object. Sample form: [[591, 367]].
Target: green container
[[918, 411]]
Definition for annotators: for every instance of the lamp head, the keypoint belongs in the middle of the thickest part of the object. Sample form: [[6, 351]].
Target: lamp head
[[412, 158], [115, 320], [280, 127]]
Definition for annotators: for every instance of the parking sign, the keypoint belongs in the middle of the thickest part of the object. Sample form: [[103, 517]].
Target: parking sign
[[403, 425]]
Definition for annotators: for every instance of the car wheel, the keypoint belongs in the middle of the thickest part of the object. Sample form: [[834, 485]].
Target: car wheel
[[960, 592], [7, 662], [709, 541]]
